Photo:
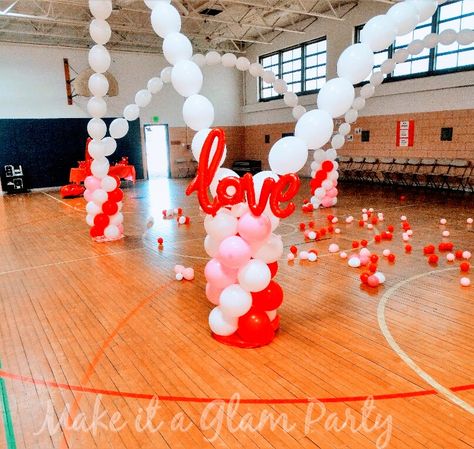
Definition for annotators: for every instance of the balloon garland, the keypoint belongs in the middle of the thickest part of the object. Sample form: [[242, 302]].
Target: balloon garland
[[243, 212]]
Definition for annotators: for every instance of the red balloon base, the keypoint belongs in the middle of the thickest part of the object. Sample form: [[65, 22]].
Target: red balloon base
[[237, 341]]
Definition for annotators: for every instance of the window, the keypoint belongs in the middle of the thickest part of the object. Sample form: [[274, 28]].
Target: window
[[302, 67], [456, 15]]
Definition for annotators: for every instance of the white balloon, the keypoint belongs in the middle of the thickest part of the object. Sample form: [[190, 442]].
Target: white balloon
[[221, 226], [152, 3], [355, 63], [100, 9], [351, 116], [259, 179], [319, 155], [431, 40], [344, 129], [165, 75], [100, 31], [118, 128], [213, 58], [96, 128], [447, 37], [177, 47], [99, 58], [275, 221], [96, 149], [116, 219], [93, 209], [336, 96], [288, 155], [404, 16], [229, 60], [254, 276], [280, 86], [298, 112], [425, 8], [315, 128], [131, 112], [242, 64], [90, 219], [367, 91], [198, 142], [417, 46], [401, 55], [112, 232], [269, 77], [338, 141], [220, 324], [387, 67], [143, 98], [466, 37], [378, 33], [291, 99], [256, 69], [97, 107], [211, 246], [198, 112], [235, 301], [154, 85], [187, 78], [165, 19], [98, 85], [199, 59], [376, 79], [110, 145], [239, 209], [108, 184], [99, 196], [221, 174], [100, 167], [271, 250], [359, 103], [331, 154]]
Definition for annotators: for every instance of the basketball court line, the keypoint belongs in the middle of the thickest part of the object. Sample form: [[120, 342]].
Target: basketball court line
[[7, 416], [448, 393]]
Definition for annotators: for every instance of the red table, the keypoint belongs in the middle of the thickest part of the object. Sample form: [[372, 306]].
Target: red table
[[78, 175]]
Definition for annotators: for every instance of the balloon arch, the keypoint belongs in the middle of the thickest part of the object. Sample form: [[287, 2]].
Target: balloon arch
[[243, 213]]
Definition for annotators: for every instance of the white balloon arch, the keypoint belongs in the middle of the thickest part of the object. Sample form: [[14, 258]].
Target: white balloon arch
[[233, 288]]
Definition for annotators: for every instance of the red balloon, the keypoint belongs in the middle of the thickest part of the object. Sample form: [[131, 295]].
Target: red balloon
[[110, 208], [270, 298], [327, 166], [117, 180], [273, 268], [255, 327], [465, 266], [116, 195], [96, 231], [101, 221]]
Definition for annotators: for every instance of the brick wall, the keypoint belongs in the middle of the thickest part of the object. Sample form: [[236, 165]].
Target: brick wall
[[249, 142]]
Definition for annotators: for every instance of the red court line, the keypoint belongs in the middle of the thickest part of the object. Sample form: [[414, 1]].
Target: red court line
[[104, 392]]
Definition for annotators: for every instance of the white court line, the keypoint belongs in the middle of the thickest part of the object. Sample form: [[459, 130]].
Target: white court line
[[403, 355], [63, 202]]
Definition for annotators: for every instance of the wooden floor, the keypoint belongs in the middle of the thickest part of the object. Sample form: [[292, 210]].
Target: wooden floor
[[111, 320]]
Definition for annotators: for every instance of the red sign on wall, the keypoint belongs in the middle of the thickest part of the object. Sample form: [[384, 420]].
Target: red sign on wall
[[405, 133]]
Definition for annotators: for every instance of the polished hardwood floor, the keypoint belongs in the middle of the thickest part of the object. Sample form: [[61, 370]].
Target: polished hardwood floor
[[89, 333]]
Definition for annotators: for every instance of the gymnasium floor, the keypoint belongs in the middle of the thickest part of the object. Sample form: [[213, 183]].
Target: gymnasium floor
[[98, 329]]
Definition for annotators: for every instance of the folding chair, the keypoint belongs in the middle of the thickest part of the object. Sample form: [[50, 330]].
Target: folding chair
[[369, 168], [356, 168], [427, 167], [436, 178], [385, 163], [408, 177], [456, 174], [398, 167], [344, 166]]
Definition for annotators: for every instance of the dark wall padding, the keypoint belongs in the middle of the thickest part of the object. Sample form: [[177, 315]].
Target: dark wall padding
[[48, 148]]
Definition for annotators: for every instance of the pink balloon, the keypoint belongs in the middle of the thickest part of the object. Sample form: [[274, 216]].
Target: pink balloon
[[178, 269], [218, 275], [332, 193], [88, 195], [92, 183], [327, 201], [234, 252], [373, 281], [364, 260], [253, 228], [213, 294], [188, 274]]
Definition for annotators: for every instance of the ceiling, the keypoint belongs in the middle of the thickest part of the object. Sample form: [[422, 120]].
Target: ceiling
[[223, 25]]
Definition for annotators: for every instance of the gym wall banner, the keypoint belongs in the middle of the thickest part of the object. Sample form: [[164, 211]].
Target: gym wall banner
[[405, 133]]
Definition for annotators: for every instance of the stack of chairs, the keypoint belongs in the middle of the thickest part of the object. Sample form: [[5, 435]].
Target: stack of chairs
[[452, 174]]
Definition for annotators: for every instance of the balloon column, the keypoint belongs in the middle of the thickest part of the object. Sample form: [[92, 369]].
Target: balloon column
[[241, 217]]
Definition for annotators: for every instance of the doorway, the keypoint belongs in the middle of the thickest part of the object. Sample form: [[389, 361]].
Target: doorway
[[157, 151]]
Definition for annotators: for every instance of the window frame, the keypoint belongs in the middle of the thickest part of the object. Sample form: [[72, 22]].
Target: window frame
[[432, 71], [303, 46]]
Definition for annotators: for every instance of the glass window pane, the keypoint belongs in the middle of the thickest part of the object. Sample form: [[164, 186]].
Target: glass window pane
[[467, 7], [447, 61], [311, 85], [466, 58], [450, 10], [420, 66], [402, 69], [468, 21]]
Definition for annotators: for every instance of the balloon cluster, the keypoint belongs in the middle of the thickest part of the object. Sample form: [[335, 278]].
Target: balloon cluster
[[240, 276], [324, 178], [104, 203]]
